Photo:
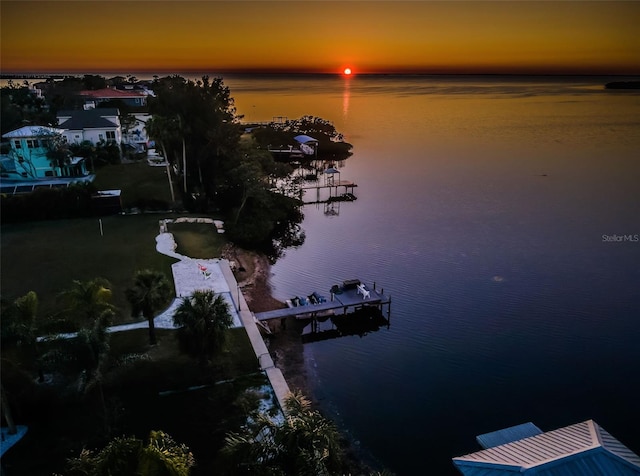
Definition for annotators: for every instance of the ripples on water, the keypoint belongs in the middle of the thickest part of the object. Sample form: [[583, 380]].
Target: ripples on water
[[481, 209]]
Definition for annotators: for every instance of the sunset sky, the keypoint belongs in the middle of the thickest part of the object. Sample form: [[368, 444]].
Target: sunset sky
[[581, 37]]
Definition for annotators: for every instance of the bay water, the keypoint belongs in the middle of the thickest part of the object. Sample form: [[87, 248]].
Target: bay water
[[502, 215]]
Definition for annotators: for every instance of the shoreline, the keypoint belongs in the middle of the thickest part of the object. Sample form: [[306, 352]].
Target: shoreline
[[252, 272]]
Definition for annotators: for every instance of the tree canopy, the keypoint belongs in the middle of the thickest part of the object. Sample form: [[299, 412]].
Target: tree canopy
[[197, 124], [306, 443], [150, 291], [204, 319], [129, 456]]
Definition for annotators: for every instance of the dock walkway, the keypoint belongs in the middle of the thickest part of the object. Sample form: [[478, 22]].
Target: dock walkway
[[348, 299]]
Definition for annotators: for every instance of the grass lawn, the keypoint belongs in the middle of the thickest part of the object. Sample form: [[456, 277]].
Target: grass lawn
[[138, 181], [47, 256], [197, 240]]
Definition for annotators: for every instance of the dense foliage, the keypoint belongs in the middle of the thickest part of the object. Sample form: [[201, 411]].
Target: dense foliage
[[196, 126], [331, 145], [20, 106], [129, 456], [48, 203], [306, 443]]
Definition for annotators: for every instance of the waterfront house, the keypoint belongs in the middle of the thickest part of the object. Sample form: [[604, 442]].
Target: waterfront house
[[92, 125], [28, 157], [584, 449], [136, 134], [131, 98], [105, 124]]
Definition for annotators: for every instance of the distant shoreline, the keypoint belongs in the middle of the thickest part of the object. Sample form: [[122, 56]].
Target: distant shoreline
[[623, 85], [63, 75]]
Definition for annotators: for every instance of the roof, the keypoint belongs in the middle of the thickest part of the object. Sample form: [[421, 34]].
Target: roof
[[90, 119], [584, 449], [31, 131], [507, 435], [88, 122], [99, 111], [112, 93], [304, 139]]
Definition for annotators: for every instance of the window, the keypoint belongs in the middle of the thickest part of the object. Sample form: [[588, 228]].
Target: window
[[32, 143], [100, 136], [17, 144], [111, 135]]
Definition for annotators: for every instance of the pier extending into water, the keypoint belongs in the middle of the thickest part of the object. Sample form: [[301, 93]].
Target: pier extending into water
[[351, 296], [333, 188]]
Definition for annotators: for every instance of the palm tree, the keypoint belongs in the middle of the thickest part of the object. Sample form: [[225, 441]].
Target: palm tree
[[19, 326], [203, 319], [128, 456], [306, 443], [89, 299], [91, 349], [151, 290]]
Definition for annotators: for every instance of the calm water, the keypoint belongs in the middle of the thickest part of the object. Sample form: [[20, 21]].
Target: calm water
[[482, 205]]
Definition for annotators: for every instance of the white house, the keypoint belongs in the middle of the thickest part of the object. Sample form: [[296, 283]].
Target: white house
[[136, 134], [93, 125]]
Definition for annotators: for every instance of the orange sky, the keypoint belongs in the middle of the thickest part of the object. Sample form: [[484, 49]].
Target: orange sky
[[370, 36]]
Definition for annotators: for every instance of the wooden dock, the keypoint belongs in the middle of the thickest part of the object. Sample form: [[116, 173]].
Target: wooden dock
[[348, 299], [334, 188]]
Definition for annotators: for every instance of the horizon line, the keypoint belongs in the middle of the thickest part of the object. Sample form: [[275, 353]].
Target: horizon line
[[164, 73]]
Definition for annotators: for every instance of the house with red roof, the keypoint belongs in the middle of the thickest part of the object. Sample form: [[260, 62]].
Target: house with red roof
[[133, 98]]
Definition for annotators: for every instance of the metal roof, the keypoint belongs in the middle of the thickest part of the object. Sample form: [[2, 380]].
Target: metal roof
[[508, 435], [583, 449], [32, 131], [304, 139]]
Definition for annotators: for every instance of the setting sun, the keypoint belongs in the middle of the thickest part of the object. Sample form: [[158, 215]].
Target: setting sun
[[347, 71]]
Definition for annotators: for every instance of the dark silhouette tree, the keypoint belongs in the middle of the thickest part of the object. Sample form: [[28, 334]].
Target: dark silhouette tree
[[150, 291], [19, 327], [206, 129], [203, 319], [129, 456], [87, 300], [305, 443]]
